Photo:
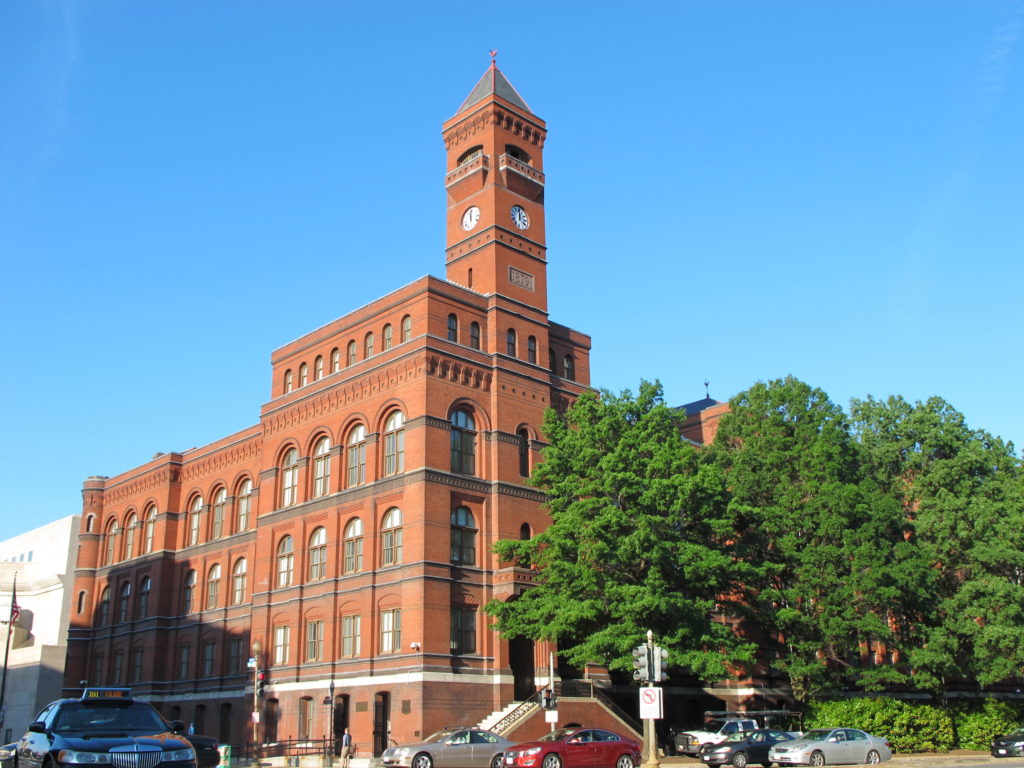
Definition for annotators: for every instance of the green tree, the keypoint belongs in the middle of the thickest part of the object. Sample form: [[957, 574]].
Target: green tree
[[833, 568], [629, 547], [962, 490]]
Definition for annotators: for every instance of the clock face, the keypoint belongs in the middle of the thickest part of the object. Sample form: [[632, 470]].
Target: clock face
[[470, 218], [519, 217]]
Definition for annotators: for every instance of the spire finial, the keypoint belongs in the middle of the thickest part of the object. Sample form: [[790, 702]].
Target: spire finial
[[707, 392], [494, 57]]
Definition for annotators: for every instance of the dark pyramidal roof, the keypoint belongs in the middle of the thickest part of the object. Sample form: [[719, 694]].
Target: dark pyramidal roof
[[496, 84]]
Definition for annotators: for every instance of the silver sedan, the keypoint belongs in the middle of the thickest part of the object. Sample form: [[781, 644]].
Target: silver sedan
[[450, 748], [832, 746]]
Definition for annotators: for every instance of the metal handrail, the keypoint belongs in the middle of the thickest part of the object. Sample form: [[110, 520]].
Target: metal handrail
[[525, 708]]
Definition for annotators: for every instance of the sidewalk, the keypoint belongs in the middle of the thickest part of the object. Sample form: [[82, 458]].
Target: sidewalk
[[956, 757]]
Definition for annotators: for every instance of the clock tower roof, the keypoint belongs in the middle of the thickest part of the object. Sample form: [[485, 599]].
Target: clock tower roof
[[494, 83]]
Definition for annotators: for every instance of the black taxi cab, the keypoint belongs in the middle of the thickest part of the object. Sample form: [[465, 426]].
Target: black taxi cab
[[105, 727]]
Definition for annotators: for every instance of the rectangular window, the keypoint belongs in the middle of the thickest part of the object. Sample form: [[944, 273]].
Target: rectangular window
[[282, 642], [350, 630], [234, 655], [463, 635], [208, 653], [391, 631], [307, 718], [184, 662], [314, 640], [117, 663], [137, 666]]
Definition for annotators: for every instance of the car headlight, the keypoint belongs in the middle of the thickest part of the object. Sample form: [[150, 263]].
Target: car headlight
[[177, 755], [530, 751], [82, 758]]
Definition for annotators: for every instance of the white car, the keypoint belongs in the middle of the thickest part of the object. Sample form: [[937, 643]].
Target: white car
[[832, 746]]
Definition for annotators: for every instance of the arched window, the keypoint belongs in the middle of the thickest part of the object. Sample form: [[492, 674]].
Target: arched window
[[463, 430], [391, 537], [129, 536], [89, 521], [515, 152], [285, 562], [570, 368], [220, 505], [350, 353], [194, 516], [524, 452], [149, 530], [81, 602], [357, 456], [289, 477], [103, 614], [244, 505], [368, 346], [303, 375], [353, 546], [463, 537], [318, 368], [288, 382], [238, 574], [122, 602], [385, 337], [213, 587], [189, 592], [525, 534], [471, 154], [510, 342], [335, 360], [145, 587], [531, 349], [322, 467], [318, 555], [474, 335], [394, 444], [453, 327], [406, 328], [111, 543]]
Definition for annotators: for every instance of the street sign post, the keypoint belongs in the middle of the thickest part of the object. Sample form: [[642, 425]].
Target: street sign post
[[651, 704]]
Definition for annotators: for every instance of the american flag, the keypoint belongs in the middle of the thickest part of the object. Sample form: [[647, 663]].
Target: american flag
[[15, 608]]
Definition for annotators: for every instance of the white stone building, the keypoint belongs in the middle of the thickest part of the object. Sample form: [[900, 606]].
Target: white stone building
[[43, 560]]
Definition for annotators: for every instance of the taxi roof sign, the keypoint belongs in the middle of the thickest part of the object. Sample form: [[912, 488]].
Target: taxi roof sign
[[106, 693]]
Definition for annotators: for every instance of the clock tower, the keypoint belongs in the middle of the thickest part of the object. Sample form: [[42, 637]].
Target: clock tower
[[495, 188]]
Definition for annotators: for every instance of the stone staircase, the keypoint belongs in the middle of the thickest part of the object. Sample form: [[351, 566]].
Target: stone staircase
[[503, 718]]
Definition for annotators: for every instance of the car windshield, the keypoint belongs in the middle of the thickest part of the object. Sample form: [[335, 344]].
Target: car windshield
[[558, 735], [714, 725], [818, 734], [86, 717], [1017, 734]]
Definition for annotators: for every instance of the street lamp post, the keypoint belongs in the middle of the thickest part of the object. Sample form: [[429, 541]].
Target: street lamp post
[[254, 662]]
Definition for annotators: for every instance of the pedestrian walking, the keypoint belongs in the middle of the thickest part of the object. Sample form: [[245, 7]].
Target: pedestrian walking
[[346, 748]]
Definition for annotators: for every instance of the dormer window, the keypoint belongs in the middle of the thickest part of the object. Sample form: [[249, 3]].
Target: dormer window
[[470, 155], [516, 153]]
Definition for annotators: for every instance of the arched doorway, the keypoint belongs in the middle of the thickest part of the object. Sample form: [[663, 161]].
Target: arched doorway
[[520, 659], [340, 720]]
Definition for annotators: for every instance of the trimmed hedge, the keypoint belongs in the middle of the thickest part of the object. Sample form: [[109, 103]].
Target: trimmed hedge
[[914, 726]]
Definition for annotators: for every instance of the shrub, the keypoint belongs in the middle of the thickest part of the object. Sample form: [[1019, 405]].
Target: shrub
[[977, 721], [909, 726]]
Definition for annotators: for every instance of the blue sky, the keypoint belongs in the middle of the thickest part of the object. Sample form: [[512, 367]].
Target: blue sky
[[736, 191]]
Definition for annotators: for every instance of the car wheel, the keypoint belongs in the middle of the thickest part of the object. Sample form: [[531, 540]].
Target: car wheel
[[739, 760], [498, 760], [817, 758], [624, 761], [873, 758], [552, 761], [423, 760]]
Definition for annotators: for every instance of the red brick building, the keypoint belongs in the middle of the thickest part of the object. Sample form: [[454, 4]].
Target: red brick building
[[344, 540]]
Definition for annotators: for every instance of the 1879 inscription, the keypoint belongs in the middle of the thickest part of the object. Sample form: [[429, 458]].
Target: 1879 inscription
[[520, 278]]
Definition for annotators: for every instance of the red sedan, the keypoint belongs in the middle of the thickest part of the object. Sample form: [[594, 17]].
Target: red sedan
[[575, 748]]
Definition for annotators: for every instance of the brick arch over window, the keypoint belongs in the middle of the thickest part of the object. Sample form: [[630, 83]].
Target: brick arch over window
[[131, 529], [288, 476], [195, 512]]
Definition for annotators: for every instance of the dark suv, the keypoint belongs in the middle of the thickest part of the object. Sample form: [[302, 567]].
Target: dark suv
[[104, 727]]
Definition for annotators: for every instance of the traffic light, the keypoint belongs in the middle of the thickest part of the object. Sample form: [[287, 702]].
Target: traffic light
[[261, 683], [641, 664], [548, 700], [659, 674]]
